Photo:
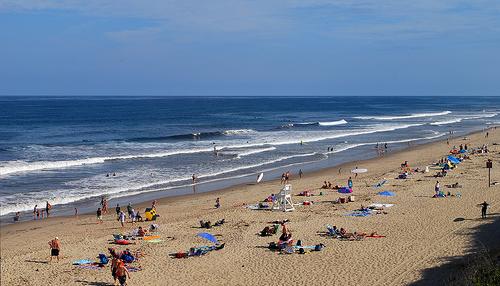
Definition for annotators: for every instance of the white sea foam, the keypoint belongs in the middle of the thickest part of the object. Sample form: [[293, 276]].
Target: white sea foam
[[332, 123], [446, 122], [238, 131], [22, 166], [415, 115], [267, 138], [26, 201], [467, 117], [255, 151]]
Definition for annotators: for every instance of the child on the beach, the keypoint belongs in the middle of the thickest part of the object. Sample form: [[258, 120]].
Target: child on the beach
[[122, 273]]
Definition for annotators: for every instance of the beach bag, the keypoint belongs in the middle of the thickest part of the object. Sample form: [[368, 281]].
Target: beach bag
[[318, 247], [103, 259], [127, 258]]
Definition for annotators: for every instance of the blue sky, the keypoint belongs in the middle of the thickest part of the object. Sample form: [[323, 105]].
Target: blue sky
[[249, 47]]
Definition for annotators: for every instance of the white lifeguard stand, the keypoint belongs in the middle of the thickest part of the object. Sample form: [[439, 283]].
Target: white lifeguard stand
[[283, 201]]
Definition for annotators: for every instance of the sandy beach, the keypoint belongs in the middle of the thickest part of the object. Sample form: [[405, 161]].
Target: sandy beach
[[420, 232]]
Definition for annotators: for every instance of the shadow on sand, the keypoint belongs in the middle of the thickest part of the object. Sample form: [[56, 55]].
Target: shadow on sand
[[483, 254]]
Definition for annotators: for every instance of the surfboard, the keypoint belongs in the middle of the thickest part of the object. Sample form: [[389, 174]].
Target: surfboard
[[259, 178], [359, 171]]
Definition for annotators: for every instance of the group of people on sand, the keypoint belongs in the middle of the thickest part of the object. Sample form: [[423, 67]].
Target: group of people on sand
[[329, 185], [133, 215], [39, 213], [285, 177]]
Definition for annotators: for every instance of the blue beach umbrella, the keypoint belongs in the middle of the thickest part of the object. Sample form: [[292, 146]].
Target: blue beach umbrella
[[208, 237], [387, 194], [454, 160]]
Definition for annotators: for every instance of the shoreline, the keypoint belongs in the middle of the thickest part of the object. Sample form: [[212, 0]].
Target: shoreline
[[322, 171]]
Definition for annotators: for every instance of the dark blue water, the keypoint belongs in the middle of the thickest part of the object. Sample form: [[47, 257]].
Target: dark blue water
[[60, 149]]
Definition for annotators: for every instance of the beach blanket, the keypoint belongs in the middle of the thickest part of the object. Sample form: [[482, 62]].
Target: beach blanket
[[454, 160], [386, 194], [359, 213], [89, 266], [258, 207], [345, 190], [133, 268], [375, 236], [82, 262], [378, 205]]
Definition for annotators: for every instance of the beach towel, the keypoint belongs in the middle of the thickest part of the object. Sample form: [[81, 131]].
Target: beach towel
[[378, 205], [89, 266], [155, 240], [345, 190], [375, 236], [257, 207], [82, 262], [133, 268], [386, 194], [151, 237], [359, 213]]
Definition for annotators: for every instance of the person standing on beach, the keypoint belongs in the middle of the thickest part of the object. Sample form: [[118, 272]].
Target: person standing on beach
[[130, 210], [118, 210], [300, 173], [47, 208], [35, 212], [194, 179], [349, 183], [217, 203], [105, 206], [99, 215], [437, 188], [153, 204], [121, 218], [55, 248], [484, 208], [76, 212]]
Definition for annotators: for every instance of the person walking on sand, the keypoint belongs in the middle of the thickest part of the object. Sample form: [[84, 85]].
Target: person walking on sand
[[118, 210], [76, 212], [484, 208], [217, 203], [55, 248], [122, 273], [99, 215], [300, 173], [437, 188], [121, 218]]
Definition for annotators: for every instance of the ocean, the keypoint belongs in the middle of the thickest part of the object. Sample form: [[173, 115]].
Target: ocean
[[71, 151]]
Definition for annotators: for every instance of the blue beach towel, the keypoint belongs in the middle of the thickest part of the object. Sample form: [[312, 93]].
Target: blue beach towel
[[387, 194]]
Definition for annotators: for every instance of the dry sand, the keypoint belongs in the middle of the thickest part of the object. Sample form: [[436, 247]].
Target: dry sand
[[421, 232]]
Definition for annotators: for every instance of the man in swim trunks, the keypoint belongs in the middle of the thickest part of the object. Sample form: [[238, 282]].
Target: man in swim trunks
[[55, 247], [122, 273]]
